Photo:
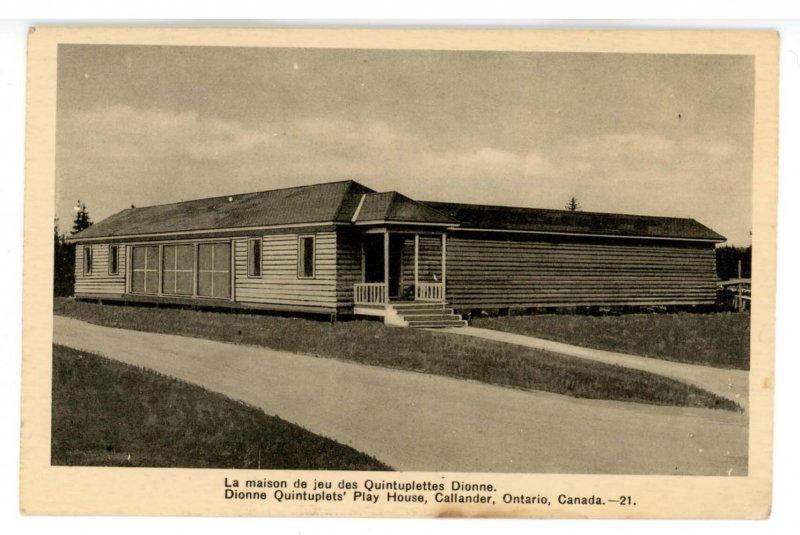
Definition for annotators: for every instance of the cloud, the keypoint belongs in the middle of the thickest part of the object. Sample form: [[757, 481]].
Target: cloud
[[124, 133], [121, 155], [484, 162], [345, 133], [628, 145]]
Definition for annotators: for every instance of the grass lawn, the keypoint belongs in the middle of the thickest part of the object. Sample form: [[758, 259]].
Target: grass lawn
[[721, 339], [372, 343], [107, 413]]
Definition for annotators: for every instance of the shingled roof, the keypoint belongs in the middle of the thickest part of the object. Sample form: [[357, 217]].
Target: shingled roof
[[350, 202], [318, 203], [486, 217], [391, 206]]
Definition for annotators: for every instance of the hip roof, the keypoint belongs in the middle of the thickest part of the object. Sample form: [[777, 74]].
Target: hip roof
[[348, 202]]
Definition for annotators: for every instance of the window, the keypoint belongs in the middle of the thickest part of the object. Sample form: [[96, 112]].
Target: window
[[144, 269], [254, 258], [214, 270], [178, 270], [113, 259], [87, 260], [305, 257]]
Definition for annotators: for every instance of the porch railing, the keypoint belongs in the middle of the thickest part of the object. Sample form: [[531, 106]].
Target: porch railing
[[429, 291], [370, 293]]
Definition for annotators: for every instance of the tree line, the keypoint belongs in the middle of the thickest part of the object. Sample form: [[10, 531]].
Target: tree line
[[728, 258], [64, 253]]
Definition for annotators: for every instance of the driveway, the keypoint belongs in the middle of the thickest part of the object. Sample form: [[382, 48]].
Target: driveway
[[727, 383], [419, 422]]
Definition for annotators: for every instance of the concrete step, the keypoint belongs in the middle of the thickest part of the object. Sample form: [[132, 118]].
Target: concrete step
[[437, 323], [426, 312], [431, 317], [402, 307]]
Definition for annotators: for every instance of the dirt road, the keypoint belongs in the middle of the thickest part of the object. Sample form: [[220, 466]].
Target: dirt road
[[414, 421]]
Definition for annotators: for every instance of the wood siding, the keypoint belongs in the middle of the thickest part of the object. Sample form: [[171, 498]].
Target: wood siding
[[99, 281], [279, 283], [517, 272], [430, 259]]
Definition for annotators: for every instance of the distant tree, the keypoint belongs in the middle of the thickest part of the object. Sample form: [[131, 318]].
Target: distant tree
[[82, 219], [572, 205], [63, 264], [728, 258]]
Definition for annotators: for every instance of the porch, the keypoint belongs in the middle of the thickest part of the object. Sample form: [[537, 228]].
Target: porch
[[401, 266], [403, 279]]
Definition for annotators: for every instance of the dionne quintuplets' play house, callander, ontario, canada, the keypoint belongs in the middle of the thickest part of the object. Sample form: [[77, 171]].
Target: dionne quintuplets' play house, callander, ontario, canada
[[342, 248]]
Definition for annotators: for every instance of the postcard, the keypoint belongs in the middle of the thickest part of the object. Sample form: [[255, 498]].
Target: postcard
[[392, 273]]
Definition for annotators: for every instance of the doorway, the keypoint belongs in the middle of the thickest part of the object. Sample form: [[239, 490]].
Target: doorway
[[374, 258]]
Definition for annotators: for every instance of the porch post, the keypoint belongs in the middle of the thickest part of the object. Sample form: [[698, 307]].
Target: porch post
[[363, 263], [386, 263], [444, 263], [416, 266]]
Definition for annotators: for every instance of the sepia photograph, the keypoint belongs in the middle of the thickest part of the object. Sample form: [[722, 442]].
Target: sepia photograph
[[470, 262]]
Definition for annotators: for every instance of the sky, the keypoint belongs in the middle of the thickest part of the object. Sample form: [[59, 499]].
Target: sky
[[666, 135]]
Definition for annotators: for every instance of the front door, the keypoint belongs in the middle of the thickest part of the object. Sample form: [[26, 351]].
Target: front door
[[373, 257], [374, 265]]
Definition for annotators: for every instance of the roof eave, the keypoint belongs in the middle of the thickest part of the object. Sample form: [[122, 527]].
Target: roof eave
[[719, 239], [373, 222], [201, 232]]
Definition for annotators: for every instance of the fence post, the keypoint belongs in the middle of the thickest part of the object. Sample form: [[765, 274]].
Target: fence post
[[739, 300]]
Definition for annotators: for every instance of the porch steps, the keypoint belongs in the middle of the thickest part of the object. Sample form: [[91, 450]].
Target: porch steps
[[427, 315]]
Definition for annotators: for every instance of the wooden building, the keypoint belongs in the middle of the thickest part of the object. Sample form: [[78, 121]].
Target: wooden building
[[343, 248]]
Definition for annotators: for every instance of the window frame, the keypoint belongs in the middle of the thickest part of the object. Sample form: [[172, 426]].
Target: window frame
[[300, 252], [250, 249], [88, 259], [231, 270], [113, 259], [163, 270], [146, 269]]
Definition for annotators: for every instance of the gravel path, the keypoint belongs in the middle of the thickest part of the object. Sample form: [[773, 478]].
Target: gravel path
[[419, 422]]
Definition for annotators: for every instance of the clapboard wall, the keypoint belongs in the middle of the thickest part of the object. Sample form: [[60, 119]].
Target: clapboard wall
[[279, 283], [99, 281], [507, 272], [430, 259]]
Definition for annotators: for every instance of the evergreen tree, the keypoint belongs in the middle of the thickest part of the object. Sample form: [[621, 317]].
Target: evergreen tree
[[63, 264], [572, 205], [82, 219], [728, 258]]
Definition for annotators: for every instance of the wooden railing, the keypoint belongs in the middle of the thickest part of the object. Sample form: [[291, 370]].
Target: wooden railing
[[429, 291], [370, 293], [743, 291]]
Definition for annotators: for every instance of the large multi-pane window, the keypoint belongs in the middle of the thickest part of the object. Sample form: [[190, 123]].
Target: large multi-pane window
[[178, 270], [214, 270], [184, 269], [144, 269], [305, 257]]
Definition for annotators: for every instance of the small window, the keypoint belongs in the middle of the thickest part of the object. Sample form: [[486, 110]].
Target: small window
[[305, 257], [254, 258], [113, 259], [87, 260]]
